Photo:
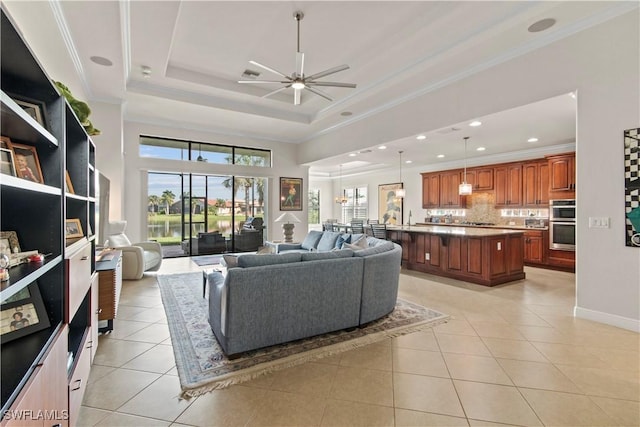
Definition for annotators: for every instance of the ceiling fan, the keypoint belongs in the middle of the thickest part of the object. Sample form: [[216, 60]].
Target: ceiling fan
[[298, 81]]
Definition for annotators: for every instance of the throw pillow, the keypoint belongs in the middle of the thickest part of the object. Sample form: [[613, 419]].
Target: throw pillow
[[328, 241], [342, 239], [388, 246], [229, 261], [266, 250], [358, 245], [311, 241]]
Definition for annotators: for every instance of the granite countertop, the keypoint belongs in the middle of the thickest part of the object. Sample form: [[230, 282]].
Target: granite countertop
[[502, 226], [451, 229]]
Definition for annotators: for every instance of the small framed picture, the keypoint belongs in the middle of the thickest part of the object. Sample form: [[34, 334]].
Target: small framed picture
[[7, 162], [33, 108], [9, 242], [73, 228], [22, 314], [290, 194], [27, 163], [68, 184]]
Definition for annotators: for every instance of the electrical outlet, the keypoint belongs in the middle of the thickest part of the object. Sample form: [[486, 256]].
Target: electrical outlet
[[598, 222], [499, 246], [427, 256]]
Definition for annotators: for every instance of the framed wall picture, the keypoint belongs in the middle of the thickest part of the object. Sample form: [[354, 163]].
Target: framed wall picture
[[35, 109], [22, 314], [389, 206], [68, 184], [73, 228], [290, 194], [632, 187], [27, 163]]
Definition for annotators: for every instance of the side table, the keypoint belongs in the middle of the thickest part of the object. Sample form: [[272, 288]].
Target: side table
[[109, 268]]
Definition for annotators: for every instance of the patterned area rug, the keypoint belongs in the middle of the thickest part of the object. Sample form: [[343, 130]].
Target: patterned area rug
[[206, 259], [202, 366]]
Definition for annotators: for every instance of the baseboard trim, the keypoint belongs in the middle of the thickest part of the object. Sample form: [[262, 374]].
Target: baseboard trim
[[609, 319]]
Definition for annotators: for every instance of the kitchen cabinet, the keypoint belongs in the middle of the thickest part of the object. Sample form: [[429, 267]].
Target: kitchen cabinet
[[430, 190], [535, 184], [508, 185], [449, 183], [534, 247], [481, 179], [562, 176]]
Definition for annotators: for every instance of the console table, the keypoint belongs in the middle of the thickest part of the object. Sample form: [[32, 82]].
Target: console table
[[109, 268]]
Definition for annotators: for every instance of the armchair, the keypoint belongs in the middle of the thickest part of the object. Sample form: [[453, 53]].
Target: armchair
[[136, 257]]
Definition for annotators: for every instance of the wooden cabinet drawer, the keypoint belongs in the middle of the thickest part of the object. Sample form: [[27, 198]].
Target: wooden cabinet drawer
[[79, 379], [77, 280]]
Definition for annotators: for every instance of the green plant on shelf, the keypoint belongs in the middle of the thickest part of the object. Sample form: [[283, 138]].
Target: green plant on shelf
[[80, 108]]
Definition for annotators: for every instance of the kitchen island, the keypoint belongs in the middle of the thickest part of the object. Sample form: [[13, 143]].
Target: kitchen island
[[484, 256]]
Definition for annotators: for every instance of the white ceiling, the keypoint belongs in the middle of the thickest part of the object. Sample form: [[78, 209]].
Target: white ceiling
[[197, 50]]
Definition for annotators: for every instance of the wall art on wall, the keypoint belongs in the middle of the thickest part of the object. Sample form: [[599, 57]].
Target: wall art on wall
[[290, 194], [389, 205], [632, 187]]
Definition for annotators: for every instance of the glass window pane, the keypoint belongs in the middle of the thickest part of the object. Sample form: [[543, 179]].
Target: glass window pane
[[253, 157], [211, 153], [161, 148]]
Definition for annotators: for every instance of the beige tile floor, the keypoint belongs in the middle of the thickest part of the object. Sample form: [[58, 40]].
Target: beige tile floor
[[510, 355]]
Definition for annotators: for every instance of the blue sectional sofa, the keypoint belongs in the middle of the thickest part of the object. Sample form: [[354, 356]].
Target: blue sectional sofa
[[298, 293]]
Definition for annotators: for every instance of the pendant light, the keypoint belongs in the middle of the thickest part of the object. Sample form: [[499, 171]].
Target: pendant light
[[400, 193], [465, 189], [200, 158], [341, 198]]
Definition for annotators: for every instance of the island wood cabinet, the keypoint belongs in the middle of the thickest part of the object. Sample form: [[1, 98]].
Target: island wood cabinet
[[534, 244], [508, 184], [535, 184], [483, 256], [562, 176]]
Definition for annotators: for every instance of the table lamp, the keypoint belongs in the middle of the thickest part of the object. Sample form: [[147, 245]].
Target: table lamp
[[287, 228]]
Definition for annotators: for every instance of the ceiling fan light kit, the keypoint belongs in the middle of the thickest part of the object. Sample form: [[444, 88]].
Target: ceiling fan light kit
[[298, 81]]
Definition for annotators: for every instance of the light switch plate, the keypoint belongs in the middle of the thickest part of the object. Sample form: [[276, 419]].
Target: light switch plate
[[598, 222]]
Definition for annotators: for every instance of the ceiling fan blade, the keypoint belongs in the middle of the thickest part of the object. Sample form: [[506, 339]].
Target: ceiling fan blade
[[257, 64], [300, 64], [327, 72], [263, 81], [276, 91], [319, 92], [296, 96], [334, 84]]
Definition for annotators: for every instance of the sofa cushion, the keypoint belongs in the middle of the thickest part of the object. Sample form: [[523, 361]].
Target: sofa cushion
[[342, 239], [374, 241], [372, 250], [327, 241], [314, 256], [119, 240], [269, 259], [312, 239], [151, 259], [229, 260]]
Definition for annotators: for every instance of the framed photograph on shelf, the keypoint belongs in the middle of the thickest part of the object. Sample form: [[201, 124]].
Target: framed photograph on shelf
[[9, 242], [33, 108], [290, 194], [68, 184], [73, 228], [389, 206], [27, 163], [7, 162], [22, 314]]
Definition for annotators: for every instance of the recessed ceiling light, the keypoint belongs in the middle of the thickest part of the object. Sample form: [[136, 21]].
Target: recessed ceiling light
[[532, 140], [352, 154], [572, 94], [475, 123], [421, 137], [541, 25], [408, 161], [100, 60], [346, 113], [382, 147], [440, 156], [480, 149]]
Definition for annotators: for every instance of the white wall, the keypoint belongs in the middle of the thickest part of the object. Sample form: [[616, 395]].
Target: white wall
[[602, 64], [135, 167]]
